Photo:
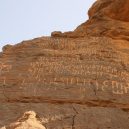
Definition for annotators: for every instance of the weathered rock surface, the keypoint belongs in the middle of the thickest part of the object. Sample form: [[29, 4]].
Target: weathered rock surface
[[28, 121], [70, 83]]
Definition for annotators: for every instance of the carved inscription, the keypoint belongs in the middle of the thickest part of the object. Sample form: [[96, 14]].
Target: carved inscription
[[87, 48], [4, 68], [82, 69], [59, 43], [45, 66], [115, 87], [70, 71]]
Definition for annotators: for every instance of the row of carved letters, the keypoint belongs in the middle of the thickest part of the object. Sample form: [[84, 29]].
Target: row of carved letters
[[78, 42], [40, 68], [76, 58], [54, 65], [5, 68], [104, 85]]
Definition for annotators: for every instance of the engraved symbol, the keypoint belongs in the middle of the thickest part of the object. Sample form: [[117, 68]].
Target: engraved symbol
[[117, 88]]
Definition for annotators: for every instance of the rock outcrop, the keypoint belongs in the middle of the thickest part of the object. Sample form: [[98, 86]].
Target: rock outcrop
[[72, 80], [108, 18], [27, 121]]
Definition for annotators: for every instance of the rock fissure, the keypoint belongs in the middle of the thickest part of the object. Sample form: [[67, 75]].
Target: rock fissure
[[73, 122]]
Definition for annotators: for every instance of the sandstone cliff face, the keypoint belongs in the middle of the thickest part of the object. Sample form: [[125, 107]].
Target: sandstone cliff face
[[75, 80]]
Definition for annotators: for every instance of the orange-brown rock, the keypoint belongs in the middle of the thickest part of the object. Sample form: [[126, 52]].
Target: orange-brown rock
[[114, 9], [108, 18], [75, 80]]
